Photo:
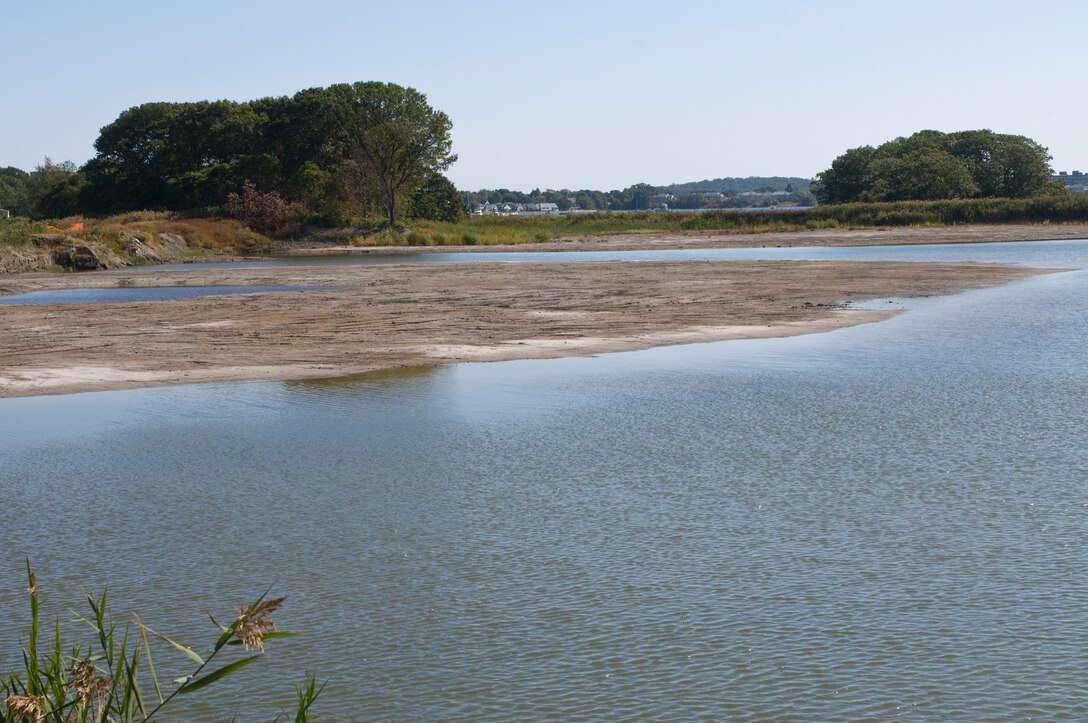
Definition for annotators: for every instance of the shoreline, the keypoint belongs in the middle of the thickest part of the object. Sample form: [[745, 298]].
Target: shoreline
[[662, 240], [366, 318]]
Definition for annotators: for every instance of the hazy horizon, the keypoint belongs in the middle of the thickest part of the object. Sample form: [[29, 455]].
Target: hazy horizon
[[575, 96]]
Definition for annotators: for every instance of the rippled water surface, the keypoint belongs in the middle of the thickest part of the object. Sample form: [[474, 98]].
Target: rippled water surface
[[888, 522]]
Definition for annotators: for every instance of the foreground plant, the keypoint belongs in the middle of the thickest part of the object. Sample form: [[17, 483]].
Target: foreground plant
[[106, 681]]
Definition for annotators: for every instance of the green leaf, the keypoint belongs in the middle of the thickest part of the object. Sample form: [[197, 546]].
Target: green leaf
[[150, 664], [222, 628], [188, 651], [221, 673]]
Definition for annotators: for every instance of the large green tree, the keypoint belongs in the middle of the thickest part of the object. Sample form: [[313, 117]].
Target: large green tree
[[931, 165], [339, 152], [397, 138]]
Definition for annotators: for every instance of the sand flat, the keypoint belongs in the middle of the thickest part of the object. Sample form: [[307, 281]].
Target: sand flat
[[382, 316]]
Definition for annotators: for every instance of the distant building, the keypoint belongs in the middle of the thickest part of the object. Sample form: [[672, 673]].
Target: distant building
[[1074, 181], [762, 194], [4, 213]]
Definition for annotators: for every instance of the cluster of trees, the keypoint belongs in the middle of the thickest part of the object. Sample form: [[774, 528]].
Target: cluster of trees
[[335, 153], [931, 165], [642, 196], [738, 185], [639, 196], [50, 190]]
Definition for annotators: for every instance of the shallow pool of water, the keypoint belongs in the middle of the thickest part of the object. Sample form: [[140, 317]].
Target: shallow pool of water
[[1055, 253], [145, 293]]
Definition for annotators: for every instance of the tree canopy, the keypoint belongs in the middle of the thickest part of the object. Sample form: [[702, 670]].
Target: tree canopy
[[931, 165], [336, 152]]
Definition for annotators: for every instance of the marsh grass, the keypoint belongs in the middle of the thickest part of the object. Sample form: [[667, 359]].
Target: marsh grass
[[17, 231], [488, 230], [113, 678], [210, 235]]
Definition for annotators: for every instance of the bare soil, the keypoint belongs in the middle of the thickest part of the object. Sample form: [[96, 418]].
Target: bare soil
[[369, 317]]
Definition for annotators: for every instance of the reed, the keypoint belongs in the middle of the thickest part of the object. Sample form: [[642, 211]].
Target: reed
[[113, 678]]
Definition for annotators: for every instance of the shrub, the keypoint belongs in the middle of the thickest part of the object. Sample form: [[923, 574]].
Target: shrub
[[417, 239], [263, 212], [468, 239]]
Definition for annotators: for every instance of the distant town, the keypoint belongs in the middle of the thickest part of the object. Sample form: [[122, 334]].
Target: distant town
[[1074, 180], [721, 193]]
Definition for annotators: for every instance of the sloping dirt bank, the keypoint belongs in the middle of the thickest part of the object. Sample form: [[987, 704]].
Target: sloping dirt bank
[[372, 317]]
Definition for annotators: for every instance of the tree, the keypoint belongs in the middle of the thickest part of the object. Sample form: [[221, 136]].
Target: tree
[[52, 189], [13, 195], [931, 165], [847, 179], [398, 139], [438, 200]]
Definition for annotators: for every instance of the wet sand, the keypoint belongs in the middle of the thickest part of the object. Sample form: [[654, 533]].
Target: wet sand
[[369, 317]]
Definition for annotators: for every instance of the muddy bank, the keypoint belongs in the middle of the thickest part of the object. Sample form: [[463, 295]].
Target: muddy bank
[[372, 317]]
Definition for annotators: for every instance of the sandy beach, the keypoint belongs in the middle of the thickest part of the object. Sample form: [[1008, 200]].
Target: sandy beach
[[367, 317]]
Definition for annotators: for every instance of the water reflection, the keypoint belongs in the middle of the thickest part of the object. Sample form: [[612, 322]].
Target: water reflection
[[393, 378]]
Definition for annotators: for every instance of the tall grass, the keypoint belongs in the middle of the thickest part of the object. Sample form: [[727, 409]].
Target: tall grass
[[537, 229], [17, 231], [113, 678], [1068, 208], [218, 235]]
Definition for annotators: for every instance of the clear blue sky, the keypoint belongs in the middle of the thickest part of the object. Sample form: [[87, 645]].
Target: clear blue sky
[[572, 94]]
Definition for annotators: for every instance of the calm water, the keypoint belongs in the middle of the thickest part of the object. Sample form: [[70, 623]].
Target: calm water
[[888, 522], [129, 294], [1056, 253]]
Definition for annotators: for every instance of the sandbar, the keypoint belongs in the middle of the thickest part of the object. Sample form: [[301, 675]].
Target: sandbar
[[369, 317]]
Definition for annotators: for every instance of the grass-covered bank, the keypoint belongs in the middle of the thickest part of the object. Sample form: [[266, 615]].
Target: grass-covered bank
[[485, 230], [145, 237], [149, 237], [1060, 208]]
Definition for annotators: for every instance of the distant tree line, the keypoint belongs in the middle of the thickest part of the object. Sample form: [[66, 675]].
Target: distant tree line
[[739, 185], [723, 193], [330, 154], [931, 165]]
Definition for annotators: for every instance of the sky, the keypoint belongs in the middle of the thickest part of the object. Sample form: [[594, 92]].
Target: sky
[[597, 95]]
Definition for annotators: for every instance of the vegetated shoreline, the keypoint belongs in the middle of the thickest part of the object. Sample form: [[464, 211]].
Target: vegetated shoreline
[[152, 239], [671, 240], [379, 317]]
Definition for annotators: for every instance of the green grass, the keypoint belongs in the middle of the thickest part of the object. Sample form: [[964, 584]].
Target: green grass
[[17, 231], [210, 235], [489, 230], [485, 230]]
